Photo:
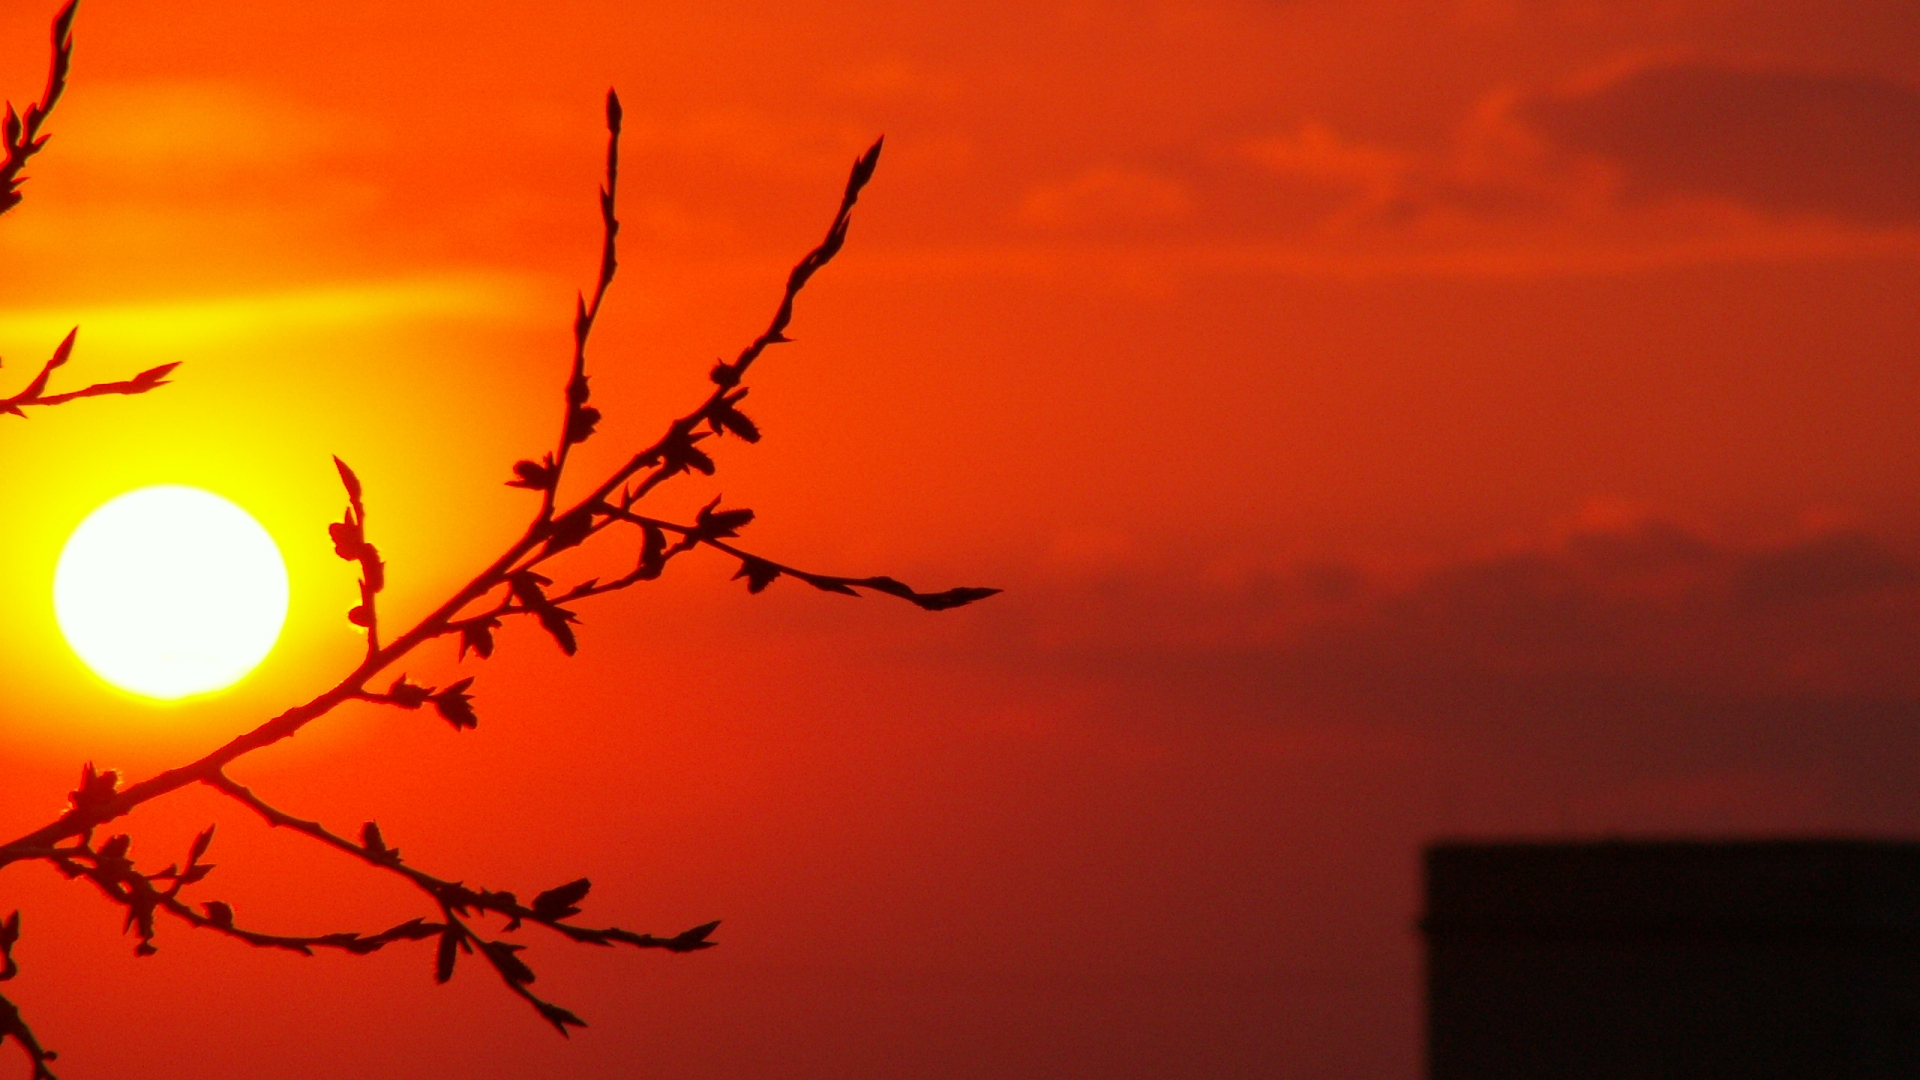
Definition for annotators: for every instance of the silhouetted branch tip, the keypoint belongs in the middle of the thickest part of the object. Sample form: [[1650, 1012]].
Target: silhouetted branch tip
[[20, 135], [35, 393]]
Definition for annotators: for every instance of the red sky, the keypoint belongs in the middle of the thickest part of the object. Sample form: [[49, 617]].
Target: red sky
[[1388, 420]]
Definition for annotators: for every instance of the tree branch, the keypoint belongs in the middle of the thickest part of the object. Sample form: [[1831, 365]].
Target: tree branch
[[511, 585], [35, 392]]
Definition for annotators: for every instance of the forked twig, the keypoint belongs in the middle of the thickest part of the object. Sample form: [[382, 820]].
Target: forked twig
[[36, 391]]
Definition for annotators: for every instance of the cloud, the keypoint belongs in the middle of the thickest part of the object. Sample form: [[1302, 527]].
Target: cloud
[[1633, 661], [895, 78], [1834, 566], [751, 140], [1317, 153], [188, 327], [196, 129], [1781, 141], [1105, 196], [1645, 164]]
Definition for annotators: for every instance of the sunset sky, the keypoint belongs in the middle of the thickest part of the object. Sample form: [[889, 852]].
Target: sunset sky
[[1387, 419]]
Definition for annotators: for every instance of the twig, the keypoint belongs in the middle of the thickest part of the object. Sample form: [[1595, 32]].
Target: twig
[[20, 136], [35, 392]]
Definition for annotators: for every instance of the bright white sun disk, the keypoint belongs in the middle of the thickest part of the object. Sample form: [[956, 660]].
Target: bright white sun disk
[[169, 591]]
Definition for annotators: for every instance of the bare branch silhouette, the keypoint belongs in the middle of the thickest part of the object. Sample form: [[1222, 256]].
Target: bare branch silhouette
[[516, 583]]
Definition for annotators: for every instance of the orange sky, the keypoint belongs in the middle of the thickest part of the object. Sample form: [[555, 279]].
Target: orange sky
[[1388, 419]]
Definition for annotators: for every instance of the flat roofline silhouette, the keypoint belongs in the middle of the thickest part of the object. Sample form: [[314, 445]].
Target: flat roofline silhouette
[[1750, 959]]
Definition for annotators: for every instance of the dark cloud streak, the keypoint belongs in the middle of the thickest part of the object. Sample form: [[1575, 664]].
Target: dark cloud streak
[[1599, 661], [1782, 141]]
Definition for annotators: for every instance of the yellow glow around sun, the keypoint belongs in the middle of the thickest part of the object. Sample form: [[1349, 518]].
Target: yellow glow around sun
[[169, 591]]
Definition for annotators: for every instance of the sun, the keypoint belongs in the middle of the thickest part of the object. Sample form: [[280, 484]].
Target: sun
[[169, 591]]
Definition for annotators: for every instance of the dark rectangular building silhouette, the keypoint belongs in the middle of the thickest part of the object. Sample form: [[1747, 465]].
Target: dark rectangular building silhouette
[[1673, 960]]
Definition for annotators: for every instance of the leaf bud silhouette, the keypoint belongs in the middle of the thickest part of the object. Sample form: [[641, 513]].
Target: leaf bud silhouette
[[562, 901], [455, 706], [537, 477]]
